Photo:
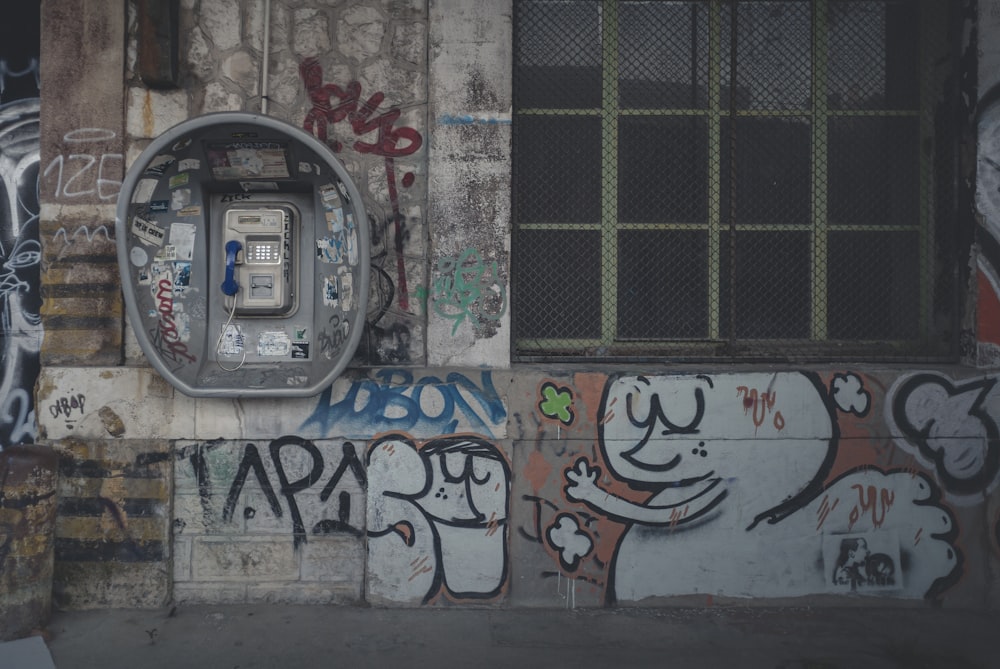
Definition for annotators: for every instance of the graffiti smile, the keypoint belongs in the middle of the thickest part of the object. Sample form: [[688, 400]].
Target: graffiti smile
[[652, 466]]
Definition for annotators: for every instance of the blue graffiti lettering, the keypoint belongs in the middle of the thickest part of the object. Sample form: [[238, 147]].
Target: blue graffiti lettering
[[394, 401]]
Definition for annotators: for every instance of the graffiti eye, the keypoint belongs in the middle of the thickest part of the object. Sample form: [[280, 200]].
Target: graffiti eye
[[26, 253]]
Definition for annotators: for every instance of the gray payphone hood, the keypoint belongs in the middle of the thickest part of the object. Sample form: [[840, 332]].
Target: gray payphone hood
[[233, 202]]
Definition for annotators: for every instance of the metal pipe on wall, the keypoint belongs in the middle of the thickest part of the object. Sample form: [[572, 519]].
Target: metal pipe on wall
[[265, 57]]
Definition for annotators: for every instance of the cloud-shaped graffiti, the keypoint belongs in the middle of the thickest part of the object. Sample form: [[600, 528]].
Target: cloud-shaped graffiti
[[848, 391], [571, 542], [735, 468], [952, 429]]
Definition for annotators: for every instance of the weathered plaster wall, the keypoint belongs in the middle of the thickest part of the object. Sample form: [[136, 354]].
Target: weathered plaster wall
[[469, 168], [433, 472]]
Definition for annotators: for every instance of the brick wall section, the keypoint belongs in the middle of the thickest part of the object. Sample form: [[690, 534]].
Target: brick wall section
[[82, 309], [113, 525], [81, 169], [241, 534]]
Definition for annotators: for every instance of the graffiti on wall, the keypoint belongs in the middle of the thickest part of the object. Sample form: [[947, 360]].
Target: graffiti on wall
[[556, 402], [434, 513], [88, 167], [395, 401], [952, 430], [692, 476], [437, 519], [466, 288], [376, 133], [20, 250], [290, 485], [987, 251]]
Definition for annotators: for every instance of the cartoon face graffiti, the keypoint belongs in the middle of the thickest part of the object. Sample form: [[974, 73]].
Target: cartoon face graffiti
[[437, 519], [734, 467], [689, 439]]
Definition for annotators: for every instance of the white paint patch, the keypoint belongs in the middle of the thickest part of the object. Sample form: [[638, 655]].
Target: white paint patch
[[138, 256]]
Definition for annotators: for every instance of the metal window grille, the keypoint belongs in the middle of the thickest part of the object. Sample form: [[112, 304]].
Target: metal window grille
[[726, 178]]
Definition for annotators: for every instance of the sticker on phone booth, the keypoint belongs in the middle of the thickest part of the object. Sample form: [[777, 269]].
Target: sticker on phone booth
[[346, 281], [335, 220], [148, 232], [143, 192], [274, 344], [330, 293], [231, 342]]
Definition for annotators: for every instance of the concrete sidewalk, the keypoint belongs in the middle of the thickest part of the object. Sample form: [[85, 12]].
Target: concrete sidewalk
[[253, 636]]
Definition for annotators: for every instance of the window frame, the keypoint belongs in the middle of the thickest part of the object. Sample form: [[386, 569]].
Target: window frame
[[719, 344]]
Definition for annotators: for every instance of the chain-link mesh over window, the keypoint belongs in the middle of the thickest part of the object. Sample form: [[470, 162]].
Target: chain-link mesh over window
[[727, 178]]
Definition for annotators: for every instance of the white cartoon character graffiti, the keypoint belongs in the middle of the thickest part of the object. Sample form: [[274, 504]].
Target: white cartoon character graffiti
[[734, 466], [437, 519]]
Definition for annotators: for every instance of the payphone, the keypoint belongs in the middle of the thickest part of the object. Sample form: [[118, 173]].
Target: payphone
[[243, 250], [260, 261]]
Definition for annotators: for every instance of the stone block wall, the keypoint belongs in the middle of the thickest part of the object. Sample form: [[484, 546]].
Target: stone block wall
[[433, 472], [279, 520], [112, 546]]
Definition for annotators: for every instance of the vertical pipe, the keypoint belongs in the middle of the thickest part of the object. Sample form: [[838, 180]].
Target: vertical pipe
[[265, 57]]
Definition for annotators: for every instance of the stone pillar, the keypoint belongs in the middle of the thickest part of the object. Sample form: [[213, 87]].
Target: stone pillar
[[28, 476]]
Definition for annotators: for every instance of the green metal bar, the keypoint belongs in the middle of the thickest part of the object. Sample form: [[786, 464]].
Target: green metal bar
[[609, 171], [549, 344], [662, 226], [559, 112], [756, 227], [755, 113], [714, 167], [820, 115], [556, 225], [627, 111], [657, 347]]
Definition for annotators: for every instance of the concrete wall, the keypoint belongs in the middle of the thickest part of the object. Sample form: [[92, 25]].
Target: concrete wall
[[434, 471]]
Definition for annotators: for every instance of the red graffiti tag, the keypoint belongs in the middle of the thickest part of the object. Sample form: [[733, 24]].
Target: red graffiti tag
[[825, 509], [324, 113], [390, 142], [874, 502], [168, 326], [761, 404]]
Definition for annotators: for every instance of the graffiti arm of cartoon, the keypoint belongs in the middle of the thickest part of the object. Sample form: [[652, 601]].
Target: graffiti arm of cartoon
[[670, 507]]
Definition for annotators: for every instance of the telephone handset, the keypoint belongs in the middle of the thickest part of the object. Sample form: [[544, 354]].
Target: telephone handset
[[259, 254]]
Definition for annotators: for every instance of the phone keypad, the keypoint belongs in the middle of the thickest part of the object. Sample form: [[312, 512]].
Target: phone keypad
[[268, 253]]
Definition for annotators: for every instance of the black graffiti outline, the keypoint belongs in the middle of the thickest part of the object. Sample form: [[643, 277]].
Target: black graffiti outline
[[251, 460], [441, 447], [288, 488], [20, 283], [919, 436]]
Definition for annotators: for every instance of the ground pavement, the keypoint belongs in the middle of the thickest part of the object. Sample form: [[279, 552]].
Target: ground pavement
[[257, 636]]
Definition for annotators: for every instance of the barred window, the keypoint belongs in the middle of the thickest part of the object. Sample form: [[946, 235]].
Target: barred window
[[727, 178]]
